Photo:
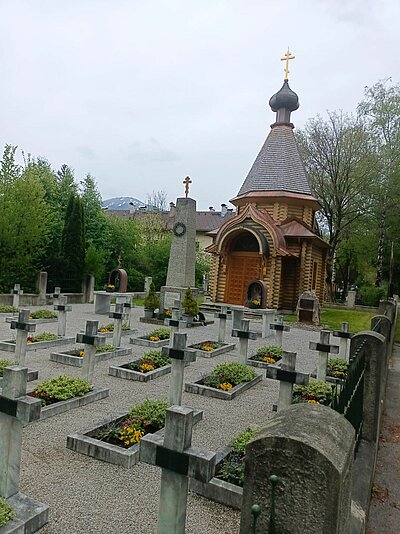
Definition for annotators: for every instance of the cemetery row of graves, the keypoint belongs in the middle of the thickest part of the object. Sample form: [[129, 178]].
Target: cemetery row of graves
[[157, 371]]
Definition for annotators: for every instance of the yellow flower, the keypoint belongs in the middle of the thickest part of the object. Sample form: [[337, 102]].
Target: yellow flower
[[268, 359], [81, 353], [312, 401], [226, 386], [154, 338], [146, 367]]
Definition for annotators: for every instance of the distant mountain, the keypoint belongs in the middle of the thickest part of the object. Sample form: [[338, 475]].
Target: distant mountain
[[122, 203]]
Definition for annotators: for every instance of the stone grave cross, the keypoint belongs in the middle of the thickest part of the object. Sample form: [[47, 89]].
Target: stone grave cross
[[173, 323], [128, 305], [237, 316], [62, 308], [56, 295], [178, 461], [323, 348], [16, 411], [23, 327], [279, 328], [286, 373], [91, 340], [267, 319], [118, 315], [244, 335], [223, 317], [344, 335], [16, 292], [179, 355]]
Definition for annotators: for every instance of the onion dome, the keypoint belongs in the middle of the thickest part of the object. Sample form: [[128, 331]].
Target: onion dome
[[284, 98]]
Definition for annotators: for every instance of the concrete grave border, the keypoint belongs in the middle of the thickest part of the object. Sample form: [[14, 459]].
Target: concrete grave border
[[83, 443], [77, 361], [142, 342], [121, 371], [200, 389], [10, 344], [31, 515], [226, 347]]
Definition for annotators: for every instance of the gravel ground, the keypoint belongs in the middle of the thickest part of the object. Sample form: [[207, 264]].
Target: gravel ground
[[89, 496]]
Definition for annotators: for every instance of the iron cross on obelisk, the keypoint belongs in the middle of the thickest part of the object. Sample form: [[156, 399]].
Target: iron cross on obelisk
[[287, 57], [187, 181]]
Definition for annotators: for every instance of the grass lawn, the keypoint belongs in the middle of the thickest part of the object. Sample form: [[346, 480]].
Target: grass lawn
[[332, 319]]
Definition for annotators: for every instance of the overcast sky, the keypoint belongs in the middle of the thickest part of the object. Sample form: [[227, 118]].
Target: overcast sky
[[142, 93]]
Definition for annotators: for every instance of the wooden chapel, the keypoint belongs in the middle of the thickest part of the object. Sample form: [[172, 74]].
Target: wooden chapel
[[273, 242]]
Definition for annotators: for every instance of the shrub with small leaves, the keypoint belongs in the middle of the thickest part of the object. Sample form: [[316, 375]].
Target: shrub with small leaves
[[337, 368], [317, 392], [153, 412], [159, 333], [43, 314], [153, 359], [8, 309], [44, 336], [268, 354], [61, 388], [6, 513]]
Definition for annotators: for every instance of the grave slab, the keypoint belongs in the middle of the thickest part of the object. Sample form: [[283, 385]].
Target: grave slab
[[122, 371], [84, 443], [77, 361], [200, 389], [96, 394], [31, 515]]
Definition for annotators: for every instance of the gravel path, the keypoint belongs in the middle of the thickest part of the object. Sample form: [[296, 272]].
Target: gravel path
[[91, 497]]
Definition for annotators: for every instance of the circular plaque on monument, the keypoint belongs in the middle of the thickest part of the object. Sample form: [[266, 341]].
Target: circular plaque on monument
[[179, 229]]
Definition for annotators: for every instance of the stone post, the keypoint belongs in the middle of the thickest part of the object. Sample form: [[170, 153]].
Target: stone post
[[267, 319], [147, 283], [91, 340], [310, 449], [351, 299], [118, 316], [16, 292], [89, 288], [62, 308], [16, 410], [323, 348], [222, 316], [180, 355], [23, 327], [42, 286], [344, 336]]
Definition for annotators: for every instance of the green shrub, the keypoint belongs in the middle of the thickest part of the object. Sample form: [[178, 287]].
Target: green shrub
[[6, 513], [44, 336], [43, 314], [5, 363], [157, 357], [153, 412], [189, 303], [104, 348], [270, 352], [371, 295], [337, 367], [8, 309], [151, 302], [61, 388], [232, 373]]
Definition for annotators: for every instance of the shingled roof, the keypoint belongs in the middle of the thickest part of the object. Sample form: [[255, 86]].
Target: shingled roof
[[278, 166]]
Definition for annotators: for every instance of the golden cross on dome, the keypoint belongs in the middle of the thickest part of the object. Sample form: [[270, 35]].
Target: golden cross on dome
[[287, 57], [187, 181]]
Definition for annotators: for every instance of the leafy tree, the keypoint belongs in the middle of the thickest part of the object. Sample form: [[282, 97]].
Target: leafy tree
[[9, 169], [341, 163], [73, 242], [94, 216]]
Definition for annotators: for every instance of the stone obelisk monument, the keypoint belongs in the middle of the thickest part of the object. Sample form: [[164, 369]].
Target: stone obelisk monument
[[182, 259]]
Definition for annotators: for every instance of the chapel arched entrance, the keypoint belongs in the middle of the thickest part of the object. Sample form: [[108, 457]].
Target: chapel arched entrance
[[244, 264]]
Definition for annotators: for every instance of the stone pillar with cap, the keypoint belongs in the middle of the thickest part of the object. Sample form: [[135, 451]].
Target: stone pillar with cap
[[91, 340], [23, 327], [16, 292]]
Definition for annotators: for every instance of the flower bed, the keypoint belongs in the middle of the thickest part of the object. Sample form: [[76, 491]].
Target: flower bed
[[227, 485], [38, 317], [117, 441], [8, 309], [156, 338], [337, 368], [75, 357], [268, 355], [40, 341], [210, 349], [64, 393], [225, 381], [317, 392], [6, 513], [151, 365]]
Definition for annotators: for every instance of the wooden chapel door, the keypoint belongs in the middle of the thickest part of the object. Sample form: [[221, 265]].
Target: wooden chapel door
[[242, 268]]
